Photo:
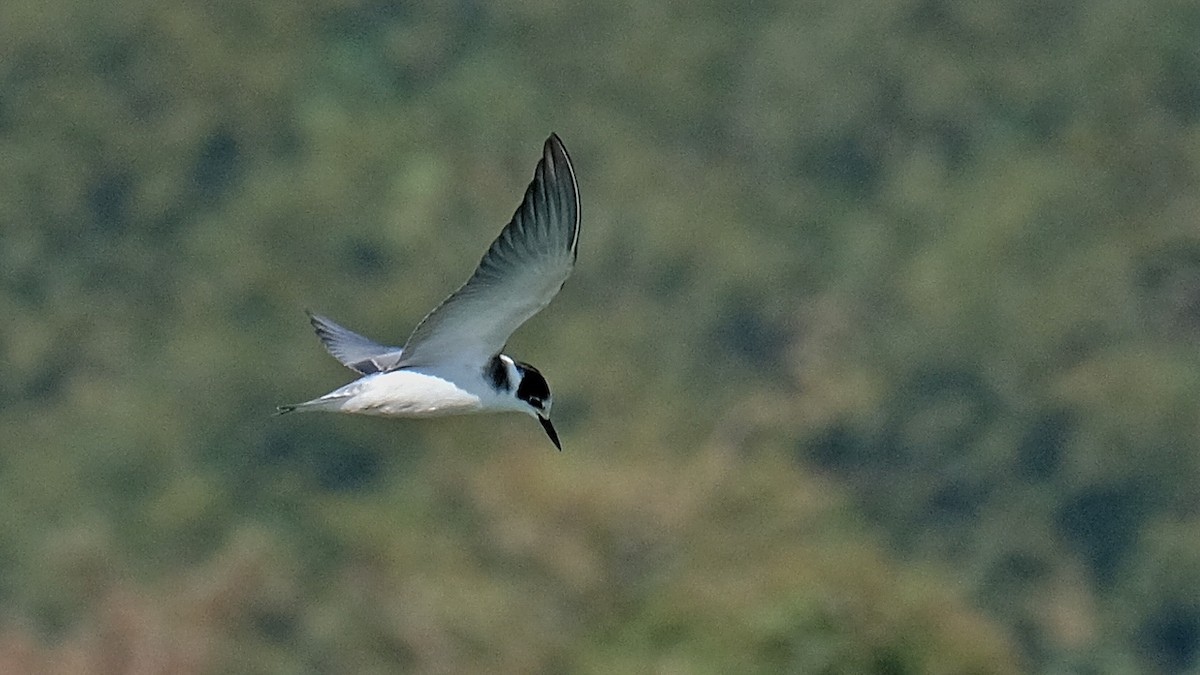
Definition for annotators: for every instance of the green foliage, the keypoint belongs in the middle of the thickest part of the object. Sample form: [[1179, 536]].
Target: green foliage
[[880, 356]]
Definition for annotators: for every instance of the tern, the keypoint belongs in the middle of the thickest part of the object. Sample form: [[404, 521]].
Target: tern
[[452, 362]]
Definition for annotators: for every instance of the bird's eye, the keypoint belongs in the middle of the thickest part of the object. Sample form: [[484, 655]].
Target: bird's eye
[[535, 402]]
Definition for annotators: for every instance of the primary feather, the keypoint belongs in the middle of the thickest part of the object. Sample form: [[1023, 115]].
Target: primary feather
[[354, 351], [520, 274]]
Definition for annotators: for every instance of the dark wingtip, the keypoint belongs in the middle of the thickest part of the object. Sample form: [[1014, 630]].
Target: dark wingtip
[[321, 326], [318, 324], [556, 151], [556, 162], [283, 409]]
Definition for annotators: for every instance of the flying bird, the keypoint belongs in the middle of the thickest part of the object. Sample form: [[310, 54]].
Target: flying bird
[[453, 362]]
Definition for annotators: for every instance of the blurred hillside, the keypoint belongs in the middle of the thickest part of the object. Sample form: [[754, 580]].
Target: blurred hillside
[[881, 355]]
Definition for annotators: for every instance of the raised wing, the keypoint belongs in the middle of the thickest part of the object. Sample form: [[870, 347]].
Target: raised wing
[[353, 350], [520, 274]]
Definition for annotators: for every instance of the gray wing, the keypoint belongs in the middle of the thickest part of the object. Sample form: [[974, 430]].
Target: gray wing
[[520, 274], [353, 350]]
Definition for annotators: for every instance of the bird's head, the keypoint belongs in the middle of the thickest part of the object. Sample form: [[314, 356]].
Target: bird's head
[[533, 391]]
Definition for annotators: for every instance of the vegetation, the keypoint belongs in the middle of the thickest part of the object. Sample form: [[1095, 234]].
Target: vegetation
[[881, 356]]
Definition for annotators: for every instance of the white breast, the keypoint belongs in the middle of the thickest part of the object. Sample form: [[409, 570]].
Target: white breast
[[403, 393]]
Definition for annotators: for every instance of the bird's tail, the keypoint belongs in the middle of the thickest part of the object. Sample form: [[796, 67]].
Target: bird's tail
[[307, 406], [329, 403]]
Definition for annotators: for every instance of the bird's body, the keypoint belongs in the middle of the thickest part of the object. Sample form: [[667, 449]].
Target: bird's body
[[451, 364], [403, 393], [413, 392]]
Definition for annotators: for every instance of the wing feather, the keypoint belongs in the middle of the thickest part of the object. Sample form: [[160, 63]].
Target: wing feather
[[520, 274], [354, 351]]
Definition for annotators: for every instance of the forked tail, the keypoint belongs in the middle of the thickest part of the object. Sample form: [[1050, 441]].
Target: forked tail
[[329, 403], [307, 406]]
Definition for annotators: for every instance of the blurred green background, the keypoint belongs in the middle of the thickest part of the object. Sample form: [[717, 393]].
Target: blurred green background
[[881, 355]]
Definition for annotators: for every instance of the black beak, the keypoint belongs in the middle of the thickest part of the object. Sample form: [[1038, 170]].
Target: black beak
[[550, 431]]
